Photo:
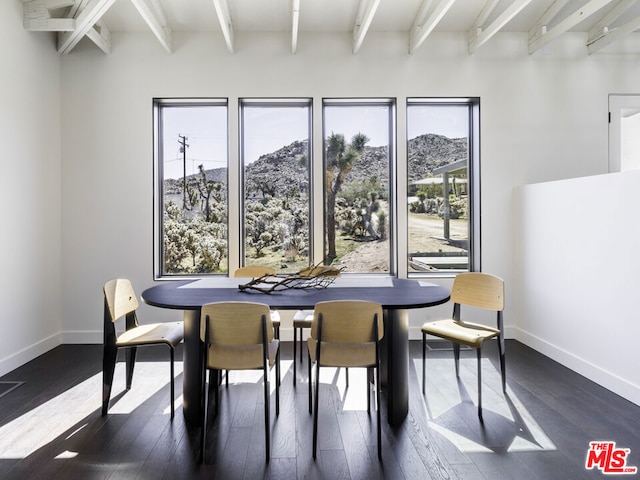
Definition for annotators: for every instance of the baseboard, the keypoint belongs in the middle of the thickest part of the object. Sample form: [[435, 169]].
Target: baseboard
[[27, 354], [80, 337], [604, 378]]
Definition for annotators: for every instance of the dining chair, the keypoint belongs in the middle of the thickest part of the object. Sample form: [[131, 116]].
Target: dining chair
[[346, 333], [120, 301], [238, 336], [303, 319], [256, 271], [471, 289]]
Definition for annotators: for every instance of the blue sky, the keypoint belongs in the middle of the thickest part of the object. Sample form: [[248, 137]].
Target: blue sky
[[268, 129]]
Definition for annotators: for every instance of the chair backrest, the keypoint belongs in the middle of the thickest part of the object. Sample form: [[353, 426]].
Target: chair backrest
[[478, 290], [120, 298], [253, 271], [348, 321], [234, 324]]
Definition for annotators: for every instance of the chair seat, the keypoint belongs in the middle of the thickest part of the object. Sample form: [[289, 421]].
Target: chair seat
[[170, 333], [470, 334], [303, 319], [275, 318], [344, 355], [223, 357]]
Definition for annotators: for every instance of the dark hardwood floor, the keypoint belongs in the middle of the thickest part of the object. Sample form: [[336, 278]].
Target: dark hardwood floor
[[51, 427]]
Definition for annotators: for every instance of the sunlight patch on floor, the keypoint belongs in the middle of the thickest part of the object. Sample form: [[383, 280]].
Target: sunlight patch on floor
[[43, 424], [451, 409]]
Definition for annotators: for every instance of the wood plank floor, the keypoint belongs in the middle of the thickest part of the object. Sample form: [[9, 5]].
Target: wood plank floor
[[51, 427]]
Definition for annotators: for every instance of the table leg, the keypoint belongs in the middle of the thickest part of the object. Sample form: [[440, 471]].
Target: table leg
[[192, 369], [394, 366]]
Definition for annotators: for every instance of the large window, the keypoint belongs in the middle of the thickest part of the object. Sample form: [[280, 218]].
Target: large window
[[191, 187], [358, 173], [441, 160], [293, 182], [275, 151]]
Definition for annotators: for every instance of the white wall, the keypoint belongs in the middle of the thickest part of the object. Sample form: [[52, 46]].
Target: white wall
[[543, 117], [30, 241], [577, 265]]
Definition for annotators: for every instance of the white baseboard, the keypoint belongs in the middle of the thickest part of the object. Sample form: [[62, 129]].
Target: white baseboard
[[29, 353], [606, 379]]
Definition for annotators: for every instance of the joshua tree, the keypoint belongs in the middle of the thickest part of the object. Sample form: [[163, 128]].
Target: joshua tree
[[340, 160]]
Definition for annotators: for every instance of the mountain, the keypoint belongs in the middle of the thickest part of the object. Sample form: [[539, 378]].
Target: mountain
[[284, 171]]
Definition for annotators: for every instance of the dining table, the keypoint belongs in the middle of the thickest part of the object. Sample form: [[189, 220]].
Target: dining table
[[396, 296]]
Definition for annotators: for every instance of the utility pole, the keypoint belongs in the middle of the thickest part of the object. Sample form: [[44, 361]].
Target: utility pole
[[183, 149]]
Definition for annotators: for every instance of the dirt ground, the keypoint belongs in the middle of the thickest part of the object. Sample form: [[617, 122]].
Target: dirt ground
[[425, 235]]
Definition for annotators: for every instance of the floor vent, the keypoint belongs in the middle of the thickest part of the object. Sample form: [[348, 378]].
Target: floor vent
[[8, 387]]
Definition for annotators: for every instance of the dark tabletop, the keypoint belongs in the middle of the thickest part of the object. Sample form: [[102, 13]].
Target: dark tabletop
[[402, 294]]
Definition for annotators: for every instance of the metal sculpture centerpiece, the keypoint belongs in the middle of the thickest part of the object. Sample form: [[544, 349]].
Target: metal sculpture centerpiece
[[314, 277]]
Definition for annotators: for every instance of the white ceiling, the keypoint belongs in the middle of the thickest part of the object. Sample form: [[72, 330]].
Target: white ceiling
[[604, 21]]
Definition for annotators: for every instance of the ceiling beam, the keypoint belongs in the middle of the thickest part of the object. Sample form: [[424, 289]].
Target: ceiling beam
[[36, 16], [614, 35], [86, 19], [481, 36], [101, 36], [366, 11], [224, 17], [545, 35], [295, 14], [153, 14], [421, 29], [602, 27]]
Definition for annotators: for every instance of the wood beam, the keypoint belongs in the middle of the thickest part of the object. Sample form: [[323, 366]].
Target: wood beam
[[602, 27], [87, 18], [545, 35], [295, 14], [614, 35], [101, 36], [153, 14], [505, 17], [419, 33], [36, 16], [366, 11], [224, 17]]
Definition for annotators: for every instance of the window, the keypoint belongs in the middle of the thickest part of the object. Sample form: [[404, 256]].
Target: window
[[358, 160], [276, 182], [442, 162], [287, 192], [191, 187]]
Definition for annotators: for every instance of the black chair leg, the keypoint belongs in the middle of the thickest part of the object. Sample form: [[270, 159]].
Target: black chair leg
[[424, 358], [310, 399], [479, 383], [203, 428], [295, 347], [266, 414], [109, 356], [456, 356], [130, 357], [315, 413], [503, 371], [173, 389], [378, 412]]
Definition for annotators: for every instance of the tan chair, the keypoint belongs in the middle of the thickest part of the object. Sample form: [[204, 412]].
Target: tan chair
[[120, 301], [255, 272], [479, 290], [303, 320], [346, 333], [238, 336]]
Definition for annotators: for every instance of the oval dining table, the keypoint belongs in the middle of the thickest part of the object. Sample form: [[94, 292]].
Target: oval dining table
[[395, 295]]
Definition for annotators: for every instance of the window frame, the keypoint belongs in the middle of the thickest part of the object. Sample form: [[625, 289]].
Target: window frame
[[391, 104], [158, 105], [268, 102], [473, 179]]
